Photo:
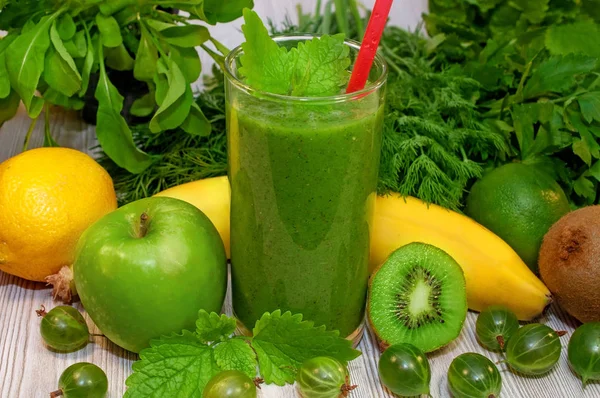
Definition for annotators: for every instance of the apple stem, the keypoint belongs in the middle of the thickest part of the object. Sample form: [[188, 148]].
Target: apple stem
[[143, 225]]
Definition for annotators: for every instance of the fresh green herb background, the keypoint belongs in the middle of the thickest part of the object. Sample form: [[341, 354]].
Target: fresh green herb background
[[536, 62], [55, 47], [497, 81]]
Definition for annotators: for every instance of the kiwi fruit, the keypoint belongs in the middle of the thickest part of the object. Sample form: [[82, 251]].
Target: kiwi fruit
[[417, 296], [569, 263]]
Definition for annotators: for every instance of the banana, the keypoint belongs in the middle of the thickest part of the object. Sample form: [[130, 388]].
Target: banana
[[494, 272], [212, 196]]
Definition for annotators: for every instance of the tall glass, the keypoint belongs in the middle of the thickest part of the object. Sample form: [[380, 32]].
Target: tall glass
[[303, 175]]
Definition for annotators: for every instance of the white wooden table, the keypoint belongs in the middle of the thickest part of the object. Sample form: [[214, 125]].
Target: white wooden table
[[29, 370]]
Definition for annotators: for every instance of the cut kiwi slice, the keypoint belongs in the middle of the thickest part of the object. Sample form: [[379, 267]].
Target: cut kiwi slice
[[418, 296]]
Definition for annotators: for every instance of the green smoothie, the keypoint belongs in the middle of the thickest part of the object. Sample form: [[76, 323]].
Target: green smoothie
[[303, 182]]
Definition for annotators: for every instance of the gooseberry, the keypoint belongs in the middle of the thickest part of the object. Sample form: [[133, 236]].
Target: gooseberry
[[82, 380], [472, 375], [534, 349], [584, 351], [230, 384], [63, 328], [495, 326], [404, 370], [323, 377]]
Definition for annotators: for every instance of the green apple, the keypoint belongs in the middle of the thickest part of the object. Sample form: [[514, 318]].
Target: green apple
[[146, 269]]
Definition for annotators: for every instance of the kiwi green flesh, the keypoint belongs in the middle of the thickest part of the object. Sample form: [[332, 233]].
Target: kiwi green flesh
[[418, 296]]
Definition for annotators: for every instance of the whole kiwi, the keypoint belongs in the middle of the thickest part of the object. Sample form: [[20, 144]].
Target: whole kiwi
[[569, 263]]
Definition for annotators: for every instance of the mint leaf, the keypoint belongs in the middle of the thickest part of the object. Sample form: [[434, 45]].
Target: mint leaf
[[212, 327], [265, 65], [283, 341], [557, 74], [581, 37], [315, 68], [590, 106], [236, 354], [321, 66], [175, 366]]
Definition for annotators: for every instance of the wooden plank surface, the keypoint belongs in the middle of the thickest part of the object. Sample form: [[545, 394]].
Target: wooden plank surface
[[28, 370]]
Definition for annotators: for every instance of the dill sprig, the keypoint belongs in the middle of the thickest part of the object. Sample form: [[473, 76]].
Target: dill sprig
[[434, 143]]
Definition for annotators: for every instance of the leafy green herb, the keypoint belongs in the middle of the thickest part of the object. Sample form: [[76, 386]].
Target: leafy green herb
[[25, 62], [539, 74], [236, 354], [180, 157], [283, 341], [212, 327], [53, 48], [435, 140], [60, 71], [175, 366], [113, 133], [315, 68], [181, 365]]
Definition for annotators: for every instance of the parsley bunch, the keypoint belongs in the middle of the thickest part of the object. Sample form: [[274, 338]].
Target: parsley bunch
[[57, 48], [181, 365], [537, 64]]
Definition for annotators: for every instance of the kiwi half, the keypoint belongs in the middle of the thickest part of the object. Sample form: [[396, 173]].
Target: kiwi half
[[418, 296]]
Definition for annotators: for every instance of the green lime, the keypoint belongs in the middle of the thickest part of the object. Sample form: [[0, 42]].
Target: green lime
[[519, 203]]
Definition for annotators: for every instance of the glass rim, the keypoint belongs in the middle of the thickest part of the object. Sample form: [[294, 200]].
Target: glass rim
[[368, 89]]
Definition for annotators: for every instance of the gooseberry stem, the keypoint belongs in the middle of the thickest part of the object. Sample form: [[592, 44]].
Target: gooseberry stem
[[561, 333], [42, 311], [346, 387], [57, 393], [500, 340], [258, 381]]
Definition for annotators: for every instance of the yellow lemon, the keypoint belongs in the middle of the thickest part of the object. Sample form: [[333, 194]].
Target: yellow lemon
[[48, 197]]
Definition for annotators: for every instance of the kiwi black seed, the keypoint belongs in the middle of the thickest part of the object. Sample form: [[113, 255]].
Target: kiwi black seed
[[418, 296]]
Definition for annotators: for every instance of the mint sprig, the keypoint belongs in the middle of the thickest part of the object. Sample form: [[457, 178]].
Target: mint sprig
[[315, 68], [181, 365], [174, 366], [284, 341]]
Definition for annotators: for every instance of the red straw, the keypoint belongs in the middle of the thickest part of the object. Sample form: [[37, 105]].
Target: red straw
[[368, 48]]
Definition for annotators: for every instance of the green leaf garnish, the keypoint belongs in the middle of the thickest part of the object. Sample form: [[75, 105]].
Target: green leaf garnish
[[284, 341], [236, 354], [181, 365], [315, 68], [212, 327], [175, 366]]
